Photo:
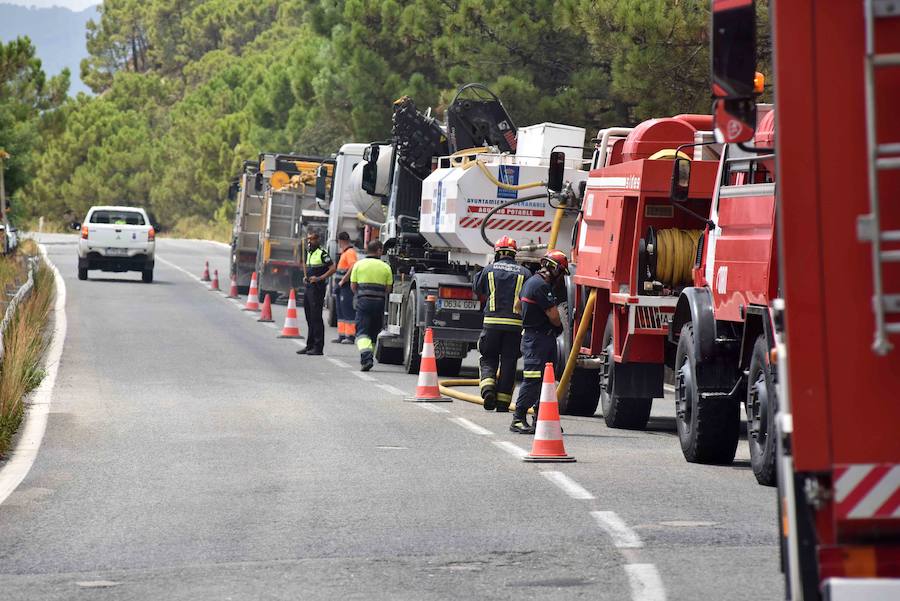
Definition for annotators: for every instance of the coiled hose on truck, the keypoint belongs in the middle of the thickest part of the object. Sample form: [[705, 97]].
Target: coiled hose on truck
[[675, 251]]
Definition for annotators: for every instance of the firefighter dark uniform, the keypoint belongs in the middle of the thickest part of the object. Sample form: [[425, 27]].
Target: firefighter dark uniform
[[317, 263], [538, 342], [372, 278], [501, 336]]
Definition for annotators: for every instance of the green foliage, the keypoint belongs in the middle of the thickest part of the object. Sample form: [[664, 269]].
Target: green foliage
[[188, 89]]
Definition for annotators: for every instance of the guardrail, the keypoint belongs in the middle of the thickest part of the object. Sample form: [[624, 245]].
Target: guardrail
[[21, 294]]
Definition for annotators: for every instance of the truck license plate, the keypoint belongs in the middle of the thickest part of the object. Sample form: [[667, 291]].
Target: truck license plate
[[117, 252], [463, 305]]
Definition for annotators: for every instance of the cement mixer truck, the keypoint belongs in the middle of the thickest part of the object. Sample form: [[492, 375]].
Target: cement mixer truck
[[433, 190]]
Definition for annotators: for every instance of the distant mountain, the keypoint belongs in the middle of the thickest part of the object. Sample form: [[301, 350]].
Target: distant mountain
[[57, 34]]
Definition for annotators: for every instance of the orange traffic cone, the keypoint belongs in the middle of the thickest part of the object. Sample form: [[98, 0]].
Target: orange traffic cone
[[253, 296], [205, 276], [266, 314], [291, 329], [233, 291], [427, 388], [215, 281], [548, 441]]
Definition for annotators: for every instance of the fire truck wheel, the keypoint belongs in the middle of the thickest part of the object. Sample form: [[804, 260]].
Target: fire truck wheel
[[761, 406], [448, 366], [619, 412], [708, 427], [412, 346], [584, 393]]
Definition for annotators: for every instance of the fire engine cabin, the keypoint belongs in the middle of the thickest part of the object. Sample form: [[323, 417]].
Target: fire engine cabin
[[837, 70], [637, 249]]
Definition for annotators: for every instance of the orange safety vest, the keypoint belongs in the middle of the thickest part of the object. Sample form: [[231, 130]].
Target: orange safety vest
[[347, 260]]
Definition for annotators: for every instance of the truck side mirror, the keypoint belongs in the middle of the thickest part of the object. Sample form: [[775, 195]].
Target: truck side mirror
[[75, 225], [370, 176], [735, 84], [556, 171], [232, 190], [322, 183], [258, 182], [681, 180], [370, 154]]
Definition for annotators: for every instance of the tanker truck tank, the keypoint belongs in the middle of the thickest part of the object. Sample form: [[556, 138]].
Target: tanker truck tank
[[463, 190]]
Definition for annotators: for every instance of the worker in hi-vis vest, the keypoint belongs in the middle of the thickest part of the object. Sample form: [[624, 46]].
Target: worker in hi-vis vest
[[343, 302], [499, 285], [319, 268], [371, 280]]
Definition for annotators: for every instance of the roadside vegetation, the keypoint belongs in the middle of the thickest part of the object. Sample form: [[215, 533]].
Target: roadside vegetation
[[25, 338], [185, 94]]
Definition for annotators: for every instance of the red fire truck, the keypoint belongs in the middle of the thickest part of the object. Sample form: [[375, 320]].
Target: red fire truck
[[722, 325], [635, 251], [837, 150]]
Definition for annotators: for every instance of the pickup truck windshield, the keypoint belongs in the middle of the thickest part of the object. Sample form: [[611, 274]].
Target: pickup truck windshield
[[118, 217]]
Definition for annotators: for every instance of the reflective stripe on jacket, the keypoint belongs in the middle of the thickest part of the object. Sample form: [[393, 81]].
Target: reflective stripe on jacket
[[501, 283]]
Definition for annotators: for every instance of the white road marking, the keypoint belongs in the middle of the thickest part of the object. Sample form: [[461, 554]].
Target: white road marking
[[470, 426], [687, 523], [363, 376], [646, 585], [182, 270], [37, 411], [432, 408], [622, 536], [337, 362], [568, 486], [391, 389], [511, 448]]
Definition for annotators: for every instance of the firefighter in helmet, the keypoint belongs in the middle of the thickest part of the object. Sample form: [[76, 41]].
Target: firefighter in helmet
[[501, 335], [542, 324]]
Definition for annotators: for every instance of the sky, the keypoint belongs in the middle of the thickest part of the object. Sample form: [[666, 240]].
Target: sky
[[75, 5]]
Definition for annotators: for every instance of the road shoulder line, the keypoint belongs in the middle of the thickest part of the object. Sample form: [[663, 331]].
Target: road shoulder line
[[37, 411]]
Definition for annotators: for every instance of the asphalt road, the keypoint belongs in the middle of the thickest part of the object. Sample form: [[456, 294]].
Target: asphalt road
[[190, 454]]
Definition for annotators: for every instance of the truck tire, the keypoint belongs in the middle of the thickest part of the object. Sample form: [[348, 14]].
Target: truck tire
[[412, 345], [761, 406], [82, 273], [708, 428], [147, 276], [619, 412], [449, 366], [584, 393]]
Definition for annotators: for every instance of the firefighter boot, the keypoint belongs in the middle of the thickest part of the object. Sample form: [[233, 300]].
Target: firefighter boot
[[366, 360], [503, 401], [489, 397], [520, 425]]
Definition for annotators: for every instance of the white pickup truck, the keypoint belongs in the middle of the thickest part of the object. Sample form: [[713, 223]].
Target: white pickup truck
[[116, 239]]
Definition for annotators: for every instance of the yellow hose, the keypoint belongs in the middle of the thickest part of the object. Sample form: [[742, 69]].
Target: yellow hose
[[445, 388], [676, 252], [586, 318], [557, 223]]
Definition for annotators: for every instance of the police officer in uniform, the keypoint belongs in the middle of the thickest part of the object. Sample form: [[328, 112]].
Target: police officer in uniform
[[542, 324], [501, 335], [319, 268], [371, 280]]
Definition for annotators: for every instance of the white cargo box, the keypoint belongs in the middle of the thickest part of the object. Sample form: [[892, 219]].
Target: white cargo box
[[536, 142]]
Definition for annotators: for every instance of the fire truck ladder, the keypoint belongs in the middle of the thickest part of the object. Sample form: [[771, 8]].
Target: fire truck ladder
[[880, 157]]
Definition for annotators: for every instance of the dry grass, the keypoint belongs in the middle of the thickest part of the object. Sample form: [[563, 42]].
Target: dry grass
[[24, 344], [200, 229]]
